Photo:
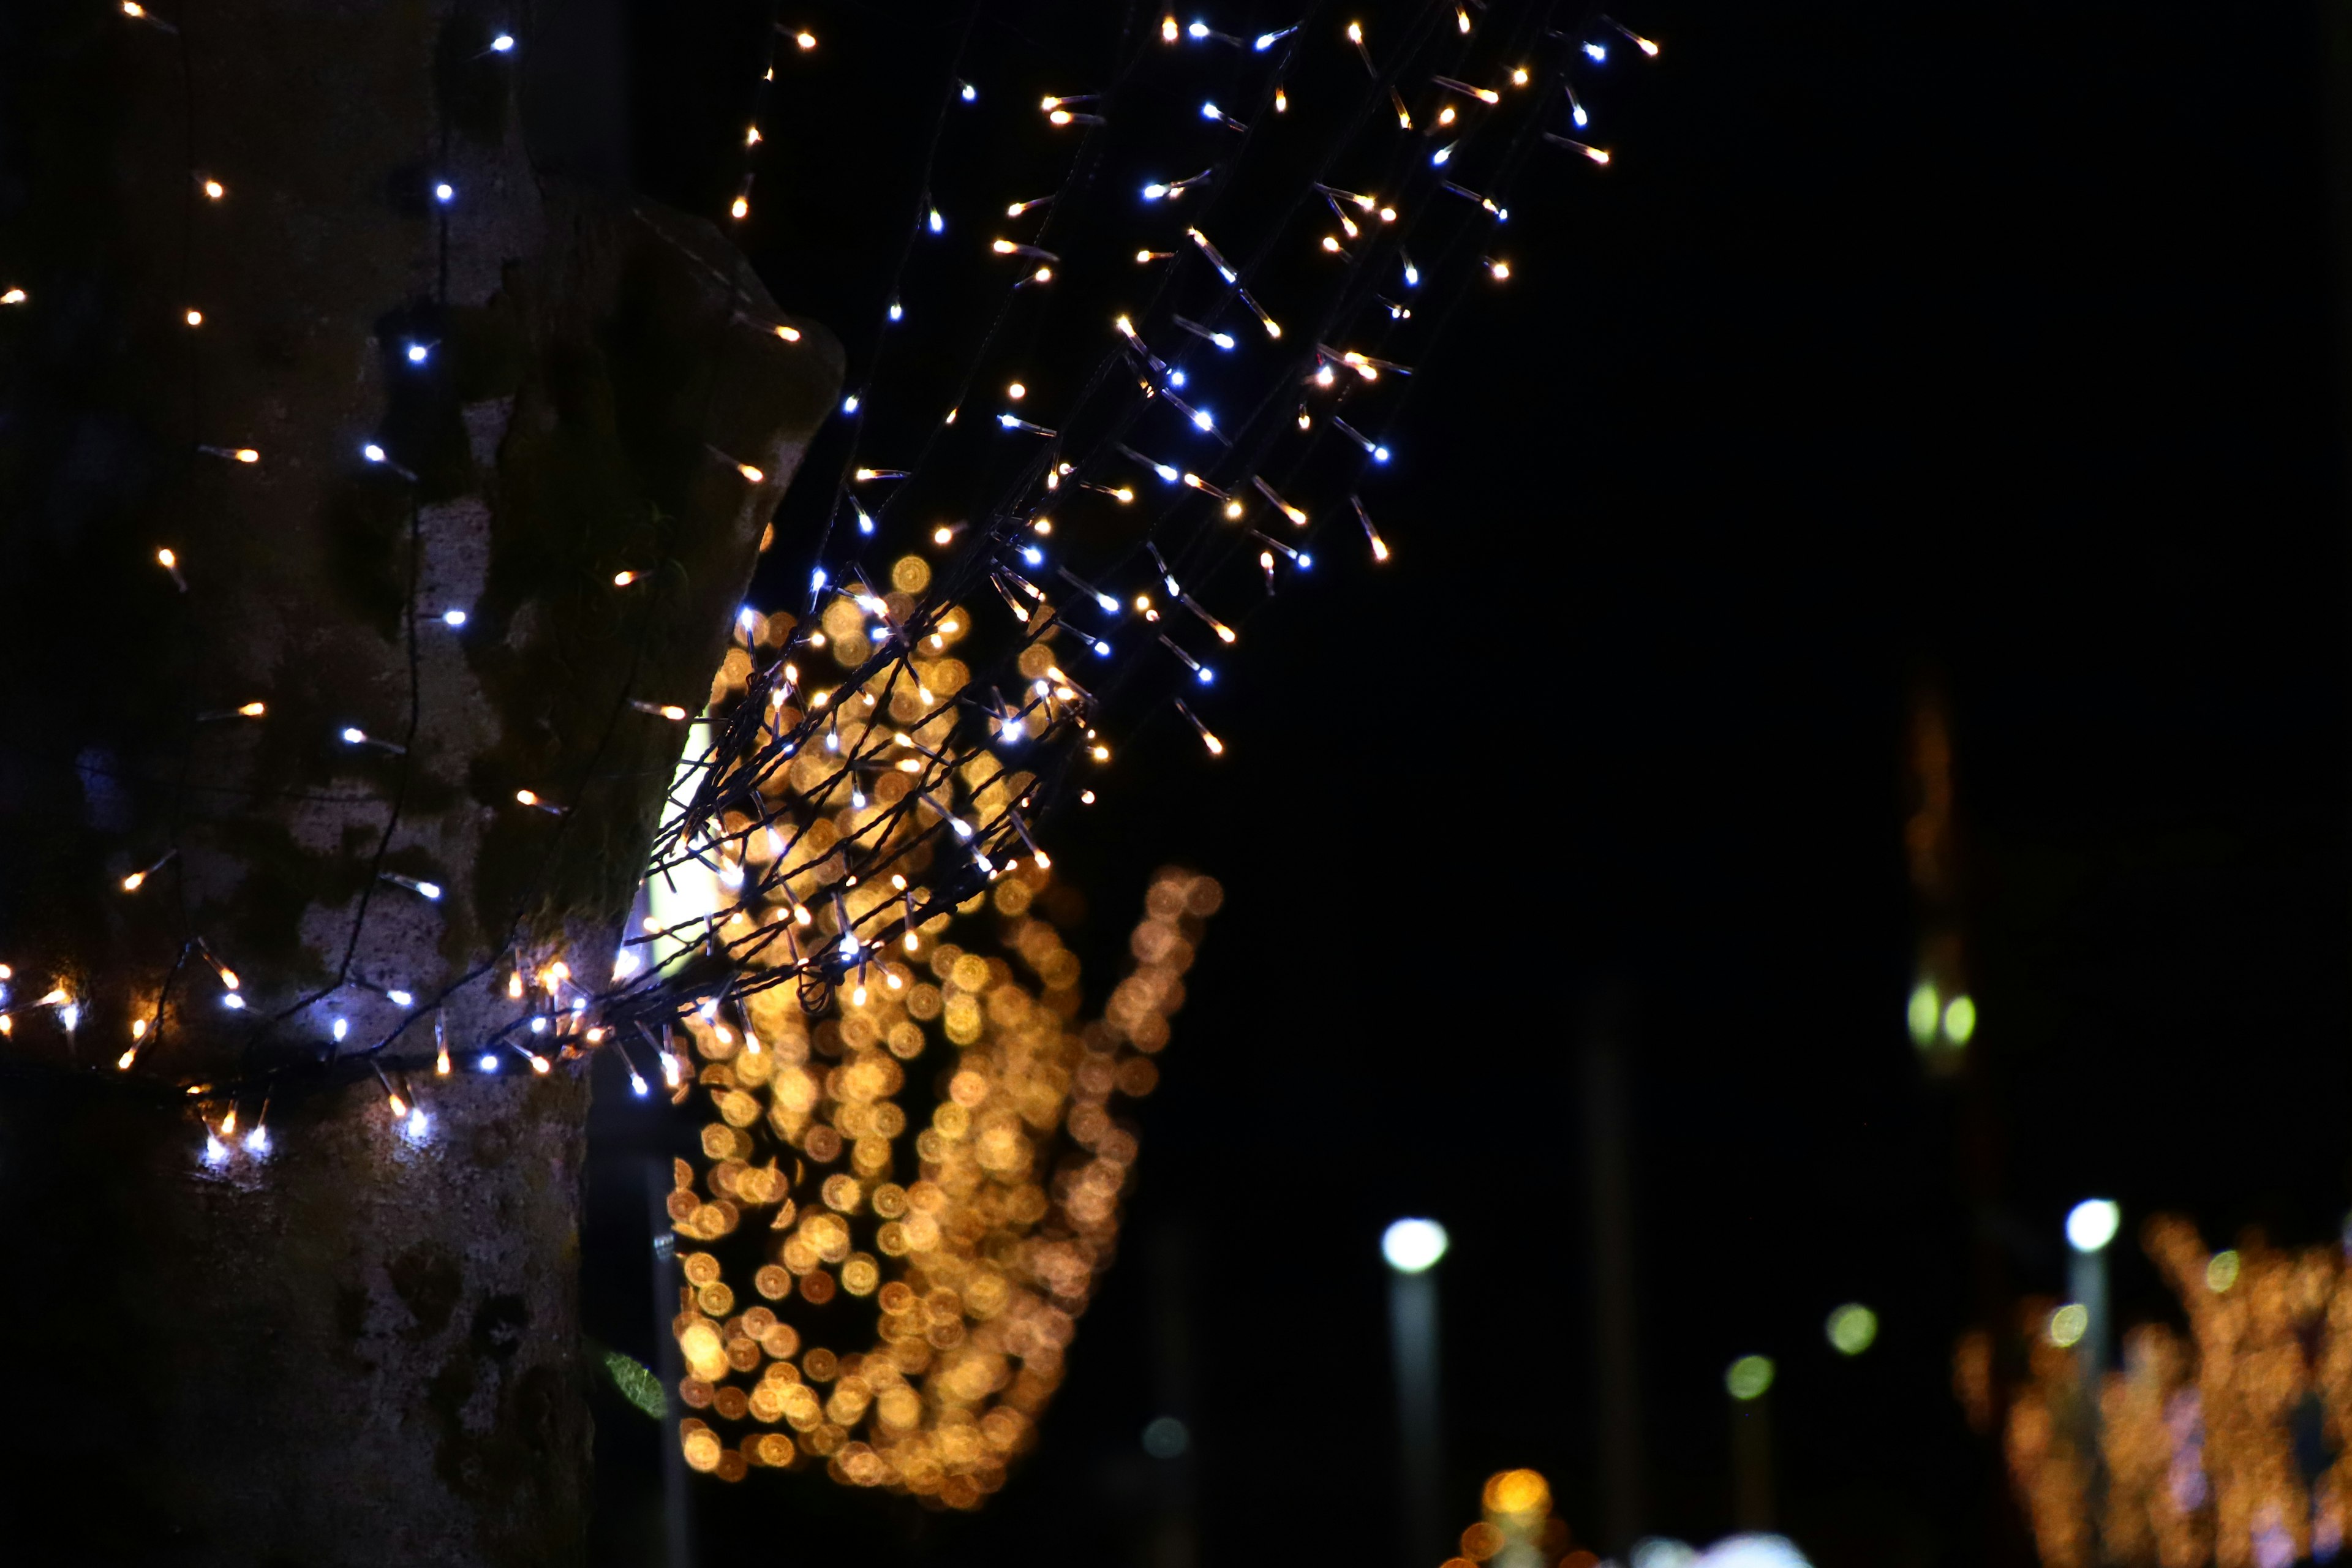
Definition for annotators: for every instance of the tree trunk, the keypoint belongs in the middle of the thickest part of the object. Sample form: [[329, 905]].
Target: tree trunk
[[354, 1340]]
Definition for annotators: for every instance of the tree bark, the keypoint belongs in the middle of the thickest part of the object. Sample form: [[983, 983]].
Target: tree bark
[[358, 1346]]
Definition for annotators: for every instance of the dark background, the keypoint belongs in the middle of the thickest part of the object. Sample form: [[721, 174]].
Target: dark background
[[1981, 348]]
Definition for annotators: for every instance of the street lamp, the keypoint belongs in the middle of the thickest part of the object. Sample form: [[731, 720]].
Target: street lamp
[[1413, 1249]]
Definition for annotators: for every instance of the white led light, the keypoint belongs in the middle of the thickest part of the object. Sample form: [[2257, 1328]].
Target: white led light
[[1414, 1246], [2092, 1223]]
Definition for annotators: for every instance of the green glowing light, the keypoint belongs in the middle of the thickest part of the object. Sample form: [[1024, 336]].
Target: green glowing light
[[1748, 1377], [1852, 1327], [2068, 1324], [1925, 1011]]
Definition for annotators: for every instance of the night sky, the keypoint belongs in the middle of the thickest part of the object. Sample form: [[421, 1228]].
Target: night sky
[[1983, 350]]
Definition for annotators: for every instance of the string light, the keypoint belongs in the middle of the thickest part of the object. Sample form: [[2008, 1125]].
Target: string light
[[1296, 516], [1380, 546], [1598, 154], [761, 782], [1639, 42], [138, 879], [1486, 95], [1216, 747]]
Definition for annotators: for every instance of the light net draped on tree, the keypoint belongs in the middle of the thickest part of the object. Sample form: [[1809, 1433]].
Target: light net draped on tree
[[1230, 251]]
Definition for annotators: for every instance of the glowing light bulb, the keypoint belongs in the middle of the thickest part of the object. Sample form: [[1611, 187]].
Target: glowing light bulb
[[970, 94], [444, 193], [418, 353], [935, 223], [194, 317], [215, 190], [13, 296], [807, 41], [1168, 31], [453, 617], [623, 579], [740, 208], [752, 475], [503, 44], [1414, 1246], [1501, 269]]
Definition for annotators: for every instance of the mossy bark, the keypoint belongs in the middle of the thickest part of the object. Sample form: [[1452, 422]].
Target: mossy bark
[[361, 1347]]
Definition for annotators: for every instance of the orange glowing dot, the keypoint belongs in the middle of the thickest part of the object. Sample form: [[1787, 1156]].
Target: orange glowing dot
[[806, 40], [623, 579], [215, 190], [741, 208]]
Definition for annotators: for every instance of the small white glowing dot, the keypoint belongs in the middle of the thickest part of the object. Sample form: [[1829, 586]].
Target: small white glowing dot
[[453, 617], [444, 193]]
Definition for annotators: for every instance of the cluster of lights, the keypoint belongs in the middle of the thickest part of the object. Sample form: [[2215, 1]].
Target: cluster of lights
[[844, 827], [2188, 1461], [964, 1343]]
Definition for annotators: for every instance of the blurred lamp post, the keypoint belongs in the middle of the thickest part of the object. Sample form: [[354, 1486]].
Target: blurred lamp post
[[1412, 1247], [1748, 1380], [2091, 1224]]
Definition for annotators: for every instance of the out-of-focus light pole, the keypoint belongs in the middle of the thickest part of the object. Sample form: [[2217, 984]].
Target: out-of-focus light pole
[[2091, 1224], [1412, 1247], [1748, 1381]]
